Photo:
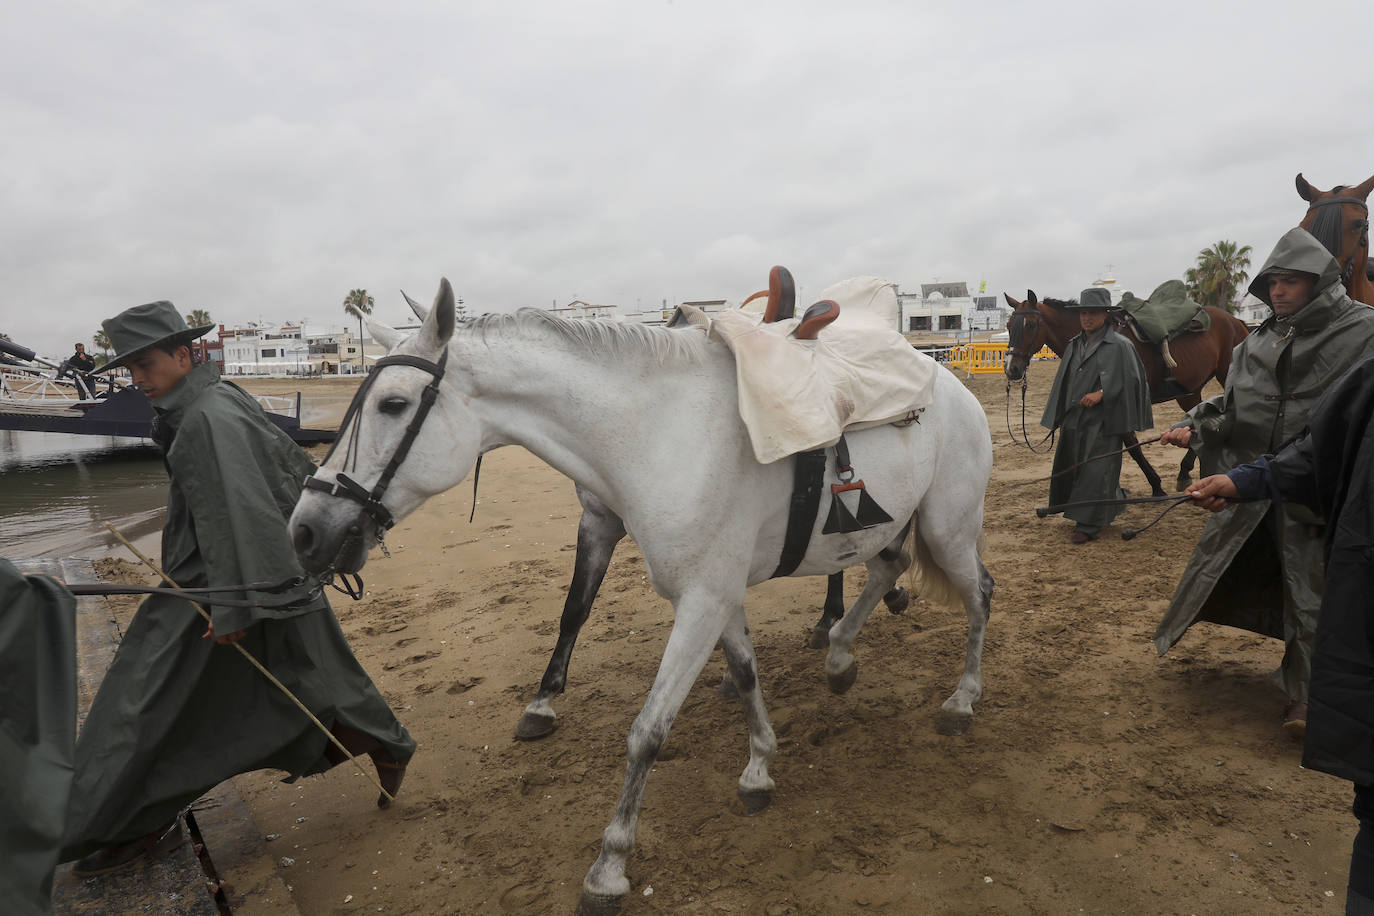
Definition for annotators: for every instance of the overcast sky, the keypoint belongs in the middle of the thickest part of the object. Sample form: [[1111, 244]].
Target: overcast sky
[[259, 160]]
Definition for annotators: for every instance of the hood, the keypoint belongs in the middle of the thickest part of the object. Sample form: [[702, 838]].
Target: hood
[[1297, 250]]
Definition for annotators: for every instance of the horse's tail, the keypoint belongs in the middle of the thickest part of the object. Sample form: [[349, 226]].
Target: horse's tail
[[924, 577]]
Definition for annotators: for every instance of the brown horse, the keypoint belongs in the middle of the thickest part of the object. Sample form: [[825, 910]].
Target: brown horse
[[1339, 219], [1201, 356]]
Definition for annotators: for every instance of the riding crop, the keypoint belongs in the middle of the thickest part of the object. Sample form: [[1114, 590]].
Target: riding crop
[[254, 662], [1074, 467], [1129, 533]]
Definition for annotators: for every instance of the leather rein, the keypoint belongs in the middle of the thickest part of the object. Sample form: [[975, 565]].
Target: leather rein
[[348, 488]]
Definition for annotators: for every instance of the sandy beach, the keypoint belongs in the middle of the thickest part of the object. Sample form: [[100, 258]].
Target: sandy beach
[[1097, 777]]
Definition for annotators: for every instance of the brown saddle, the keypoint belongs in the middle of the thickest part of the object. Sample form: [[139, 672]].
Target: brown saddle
[[782, 298]]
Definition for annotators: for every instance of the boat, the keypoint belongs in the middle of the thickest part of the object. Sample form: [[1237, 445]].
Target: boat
[[35, 398]]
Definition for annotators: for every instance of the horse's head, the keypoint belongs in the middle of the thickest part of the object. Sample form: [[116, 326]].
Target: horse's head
[[408, 435], [1025, 335], [1339, 219]]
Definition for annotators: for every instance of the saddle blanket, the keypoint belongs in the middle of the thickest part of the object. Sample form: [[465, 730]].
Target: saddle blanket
[[1166, 314], [797, 395]]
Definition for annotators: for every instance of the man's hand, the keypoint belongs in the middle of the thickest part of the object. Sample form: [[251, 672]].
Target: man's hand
[[1091, 399], [1180, 437], [227, 639], [1213, 493]]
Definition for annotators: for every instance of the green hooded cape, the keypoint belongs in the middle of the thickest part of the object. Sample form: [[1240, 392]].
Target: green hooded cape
[[177, 714], [1114, 368], [37, 731], [1258, 566]]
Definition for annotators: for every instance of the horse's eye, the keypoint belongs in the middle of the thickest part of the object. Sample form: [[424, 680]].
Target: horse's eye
[[393, 405]]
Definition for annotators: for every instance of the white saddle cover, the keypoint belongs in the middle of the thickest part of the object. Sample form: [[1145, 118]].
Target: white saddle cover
[[797, 395]]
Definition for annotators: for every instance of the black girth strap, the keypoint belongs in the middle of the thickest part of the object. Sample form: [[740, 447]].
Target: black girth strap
[[808, 480], [349, 488]]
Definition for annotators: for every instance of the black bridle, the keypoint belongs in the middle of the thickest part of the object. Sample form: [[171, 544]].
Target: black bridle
[[1017, 334], [347, 487], [1330, 232]]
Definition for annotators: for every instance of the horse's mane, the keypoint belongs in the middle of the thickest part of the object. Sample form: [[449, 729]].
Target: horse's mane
[[1060, 304], [597, 336]]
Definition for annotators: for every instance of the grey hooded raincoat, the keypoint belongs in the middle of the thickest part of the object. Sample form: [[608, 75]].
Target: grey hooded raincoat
[[177, 714], [1257, 565]]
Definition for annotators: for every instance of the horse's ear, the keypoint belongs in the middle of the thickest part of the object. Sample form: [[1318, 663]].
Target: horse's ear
[[384, 335], [1030, 298], [1305, 190], [1362, 189], [1011, 302], [419, 310], [439, 323]]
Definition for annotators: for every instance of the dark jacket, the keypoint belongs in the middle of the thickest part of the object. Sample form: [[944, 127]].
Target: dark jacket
[[37, 733], [1331, 470]]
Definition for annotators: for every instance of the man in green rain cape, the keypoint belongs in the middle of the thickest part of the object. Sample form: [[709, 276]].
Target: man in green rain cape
[[37, 732], [1258, 565], [1099, 395], [179, 710]]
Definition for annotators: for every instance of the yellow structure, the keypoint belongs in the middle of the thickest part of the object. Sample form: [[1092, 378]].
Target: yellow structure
[[987, 358]]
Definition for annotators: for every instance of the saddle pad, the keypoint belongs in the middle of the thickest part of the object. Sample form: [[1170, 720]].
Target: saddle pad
[[797, 395], [1166, 314]]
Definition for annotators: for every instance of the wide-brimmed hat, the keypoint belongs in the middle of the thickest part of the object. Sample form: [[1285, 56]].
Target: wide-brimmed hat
[[144, 326], [1094, 297]]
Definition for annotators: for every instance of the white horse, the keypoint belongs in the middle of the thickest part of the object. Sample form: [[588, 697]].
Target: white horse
[[645, 418]]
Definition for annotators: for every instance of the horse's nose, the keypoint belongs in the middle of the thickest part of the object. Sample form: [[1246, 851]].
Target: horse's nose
[[303, 539]]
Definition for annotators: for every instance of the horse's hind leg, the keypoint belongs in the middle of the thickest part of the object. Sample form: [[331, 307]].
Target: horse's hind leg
[[1132, 443], [700, 620], [755, 785], [598, 531], [832, 611], [841, 668]]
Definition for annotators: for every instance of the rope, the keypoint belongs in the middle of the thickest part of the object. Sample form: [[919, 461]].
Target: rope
[[254, 662]]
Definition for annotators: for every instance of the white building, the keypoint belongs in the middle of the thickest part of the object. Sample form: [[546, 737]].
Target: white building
[[294, 349], [949, 309]]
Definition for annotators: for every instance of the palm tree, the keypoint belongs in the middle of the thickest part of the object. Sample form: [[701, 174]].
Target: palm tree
[[358, 303], [198, 318], [1221, 270], [102, 340]]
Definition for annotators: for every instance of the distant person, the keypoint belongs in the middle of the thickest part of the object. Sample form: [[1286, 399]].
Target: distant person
[[1330, 470], [79, 366], [179, 712], [1099, 395], [37, 733], [1258, 566]]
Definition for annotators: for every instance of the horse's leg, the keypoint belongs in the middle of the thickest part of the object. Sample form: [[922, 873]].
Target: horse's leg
[[831, 612], [755, 785], [949, 539], [1185, 464], [598, 531], [1132, 443], [841, 668], [700, 620]]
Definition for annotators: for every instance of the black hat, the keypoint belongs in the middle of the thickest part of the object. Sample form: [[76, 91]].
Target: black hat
[[144, 326], [1094, 297]]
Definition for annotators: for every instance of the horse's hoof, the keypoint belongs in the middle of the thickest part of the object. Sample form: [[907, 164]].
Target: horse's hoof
[[897, 600], [953, 723], [533, 726], [727, 688], [748, 804], [1181, 484], [1158, 492], [598, 904], [839, 683], [819, 639]]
